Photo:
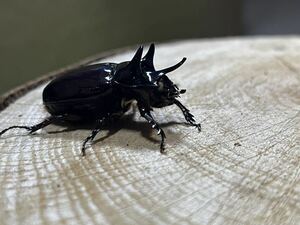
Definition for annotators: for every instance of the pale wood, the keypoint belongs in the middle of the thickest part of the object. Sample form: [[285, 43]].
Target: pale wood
[[243, 168]]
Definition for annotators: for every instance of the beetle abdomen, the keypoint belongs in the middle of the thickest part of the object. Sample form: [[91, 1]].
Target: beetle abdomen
[[86, 92], [89, 108], [85, 82]]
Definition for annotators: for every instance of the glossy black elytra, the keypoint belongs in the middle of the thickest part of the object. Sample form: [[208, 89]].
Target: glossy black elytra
[[102, 92]]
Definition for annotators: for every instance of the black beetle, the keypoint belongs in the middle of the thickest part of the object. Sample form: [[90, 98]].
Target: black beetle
[[102, 92]]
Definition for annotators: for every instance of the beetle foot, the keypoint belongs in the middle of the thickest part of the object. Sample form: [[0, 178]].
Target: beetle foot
[[162, 143], [162, 148], [190, 119], [83, 152], [198, 126]]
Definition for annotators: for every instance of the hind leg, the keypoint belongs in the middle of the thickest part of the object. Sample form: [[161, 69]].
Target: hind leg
[[36, 127]]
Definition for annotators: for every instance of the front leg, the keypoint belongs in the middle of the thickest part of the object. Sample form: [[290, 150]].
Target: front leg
[[147, 115], [188, 116]]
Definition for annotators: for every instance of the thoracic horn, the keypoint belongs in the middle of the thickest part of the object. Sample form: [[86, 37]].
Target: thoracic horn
[[132, 70], [147, 61], [135, 64]]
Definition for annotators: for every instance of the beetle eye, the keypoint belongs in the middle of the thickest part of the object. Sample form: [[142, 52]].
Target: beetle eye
[[182, 91]]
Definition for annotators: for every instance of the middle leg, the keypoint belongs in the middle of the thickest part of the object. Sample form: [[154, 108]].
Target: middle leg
[[97, 129]]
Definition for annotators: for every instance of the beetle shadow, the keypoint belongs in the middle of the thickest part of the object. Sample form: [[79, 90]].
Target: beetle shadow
[[126, 122], [143, 127]]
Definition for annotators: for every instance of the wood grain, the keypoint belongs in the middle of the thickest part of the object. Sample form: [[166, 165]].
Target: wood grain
[[243, 168]]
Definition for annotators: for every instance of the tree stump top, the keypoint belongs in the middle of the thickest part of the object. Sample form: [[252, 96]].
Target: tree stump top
[[243, 168]]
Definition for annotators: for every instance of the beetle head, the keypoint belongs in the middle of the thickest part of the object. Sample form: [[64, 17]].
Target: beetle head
[[140, 75], [166, 91]]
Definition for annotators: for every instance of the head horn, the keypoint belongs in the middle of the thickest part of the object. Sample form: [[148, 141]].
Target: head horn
[[171, 68]]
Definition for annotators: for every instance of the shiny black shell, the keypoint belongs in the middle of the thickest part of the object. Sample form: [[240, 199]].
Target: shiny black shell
[[105, 90], [85, 93]]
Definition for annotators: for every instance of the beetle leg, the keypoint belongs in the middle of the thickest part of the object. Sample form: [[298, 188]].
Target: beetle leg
[[36, 127], [147, 115], [188, 116], [93, 134]]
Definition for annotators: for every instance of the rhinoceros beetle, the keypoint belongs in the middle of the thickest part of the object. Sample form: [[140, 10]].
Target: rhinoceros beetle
[[103, 92]]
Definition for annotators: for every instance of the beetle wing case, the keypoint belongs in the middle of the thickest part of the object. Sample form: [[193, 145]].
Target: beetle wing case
[[79, 91]]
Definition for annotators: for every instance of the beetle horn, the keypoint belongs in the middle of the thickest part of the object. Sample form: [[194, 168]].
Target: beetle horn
[[135, 64], [132, 69], [171, 68], [147, 60]]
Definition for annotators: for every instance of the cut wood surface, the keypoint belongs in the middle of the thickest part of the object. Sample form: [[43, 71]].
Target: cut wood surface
[[243, 168]]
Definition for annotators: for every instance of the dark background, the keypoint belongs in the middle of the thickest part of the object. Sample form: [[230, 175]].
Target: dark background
[[39, 36]]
